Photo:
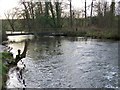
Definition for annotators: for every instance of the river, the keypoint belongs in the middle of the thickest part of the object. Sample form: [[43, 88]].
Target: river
[[70, 62]]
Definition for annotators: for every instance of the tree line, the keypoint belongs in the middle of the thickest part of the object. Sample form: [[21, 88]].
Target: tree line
[[51, 15]]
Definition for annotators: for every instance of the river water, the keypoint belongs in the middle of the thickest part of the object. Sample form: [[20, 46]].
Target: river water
[[70, 62]]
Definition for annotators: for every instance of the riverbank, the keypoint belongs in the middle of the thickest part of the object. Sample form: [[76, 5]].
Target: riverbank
[[1, 66], [95, 33], [11, 68], [4, 57], [10, 71]]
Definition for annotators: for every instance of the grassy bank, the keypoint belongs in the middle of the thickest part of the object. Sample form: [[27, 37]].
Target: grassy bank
[[0, 73], [104, 34], [3, 73], [93, 32], [96, 33], [5, 57]]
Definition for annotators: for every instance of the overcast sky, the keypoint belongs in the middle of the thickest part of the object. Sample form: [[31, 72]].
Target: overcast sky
[[6, 5]]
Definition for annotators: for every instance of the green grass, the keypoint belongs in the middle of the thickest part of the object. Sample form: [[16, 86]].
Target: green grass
[[3, 71], [0, 73], [4, 56], [103, 34], [97, 33]]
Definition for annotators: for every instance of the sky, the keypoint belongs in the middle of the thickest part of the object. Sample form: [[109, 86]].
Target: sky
[[6, 5]]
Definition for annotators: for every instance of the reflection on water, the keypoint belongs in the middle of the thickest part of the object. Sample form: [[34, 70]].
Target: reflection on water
[[61, 62]]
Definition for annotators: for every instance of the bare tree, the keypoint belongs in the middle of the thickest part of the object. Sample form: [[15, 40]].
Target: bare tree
[[112, 13], [11, 16], [85, 10], [53, 14], [71, 22], [58, 13], [27, 15]]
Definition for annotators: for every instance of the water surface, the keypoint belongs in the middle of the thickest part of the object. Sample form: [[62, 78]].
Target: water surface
[[67, 62]]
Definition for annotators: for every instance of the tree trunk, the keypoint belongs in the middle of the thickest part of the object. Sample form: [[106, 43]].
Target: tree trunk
[[27, 16], [46, 9], [46, 14], [53, 14], [11, 22], [40, 7], [112, 13], [85, 10], [85, 14], [91, 12], [58, 14], [71, 22]]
